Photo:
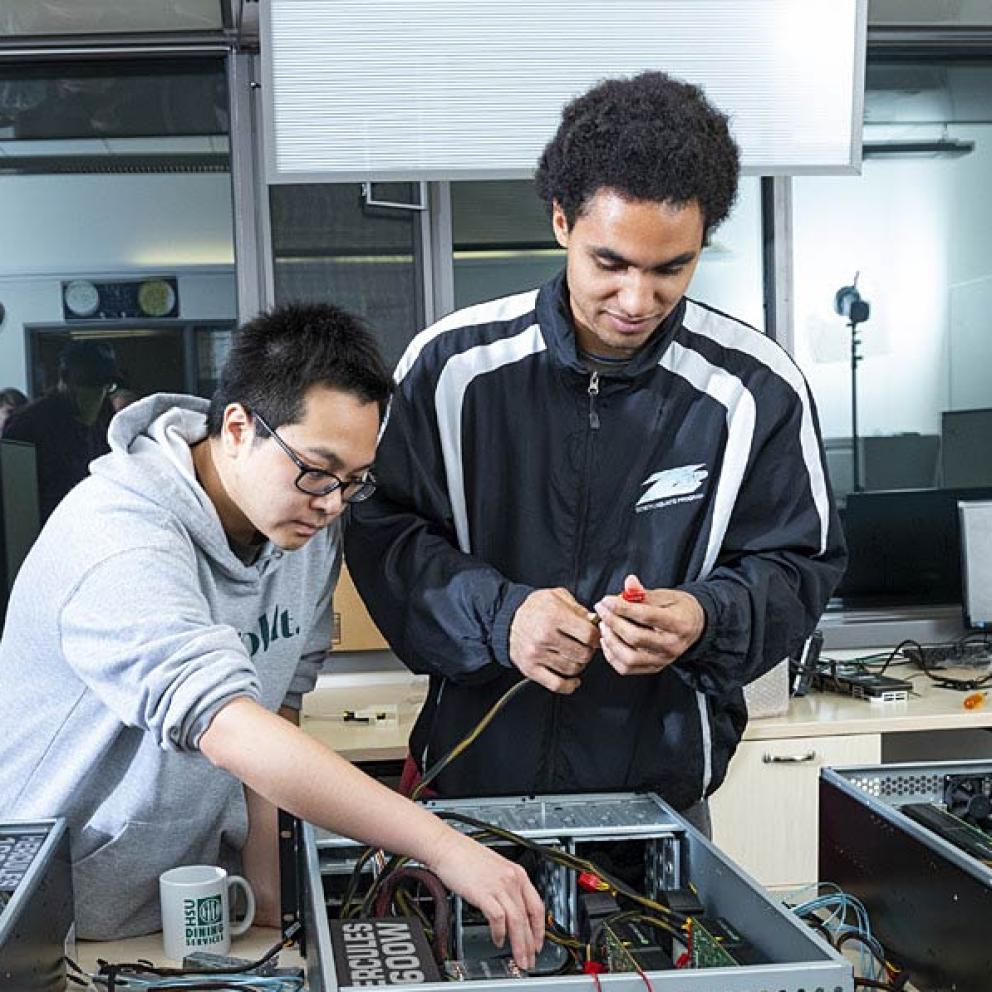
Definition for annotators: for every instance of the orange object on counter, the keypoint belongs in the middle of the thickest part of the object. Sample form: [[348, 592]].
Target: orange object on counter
[[974, 701]]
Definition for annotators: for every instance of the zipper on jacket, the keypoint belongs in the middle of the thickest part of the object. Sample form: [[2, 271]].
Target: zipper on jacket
[[593, 392]]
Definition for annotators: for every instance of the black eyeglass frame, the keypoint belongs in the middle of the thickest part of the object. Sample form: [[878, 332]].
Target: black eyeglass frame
[[366, 486]]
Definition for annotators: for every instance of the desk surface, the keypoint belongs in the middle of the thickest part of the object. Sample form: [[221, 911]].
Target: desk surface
[[251, 945], [824, 714], [816, 715]]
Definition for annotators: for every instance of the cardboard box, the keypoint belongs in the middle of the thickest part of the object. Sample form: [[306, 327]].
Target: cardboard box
[[353, 627]]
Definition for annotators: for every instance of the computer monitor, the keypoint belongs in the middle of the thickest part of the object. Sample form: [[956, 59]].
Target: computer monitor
[[976, 562], [19, 515], [904, 547], [900, 461], [966, 448]]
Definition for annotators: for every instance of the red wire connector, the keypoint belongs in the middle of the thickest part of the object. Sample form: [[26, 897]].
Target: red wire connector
[[592, 883], [593, 967], [633, 595]]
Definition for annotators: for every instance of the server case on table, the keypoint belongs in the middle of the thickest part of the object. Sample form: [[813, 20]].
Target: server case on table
[[634, 895], [914, 843]]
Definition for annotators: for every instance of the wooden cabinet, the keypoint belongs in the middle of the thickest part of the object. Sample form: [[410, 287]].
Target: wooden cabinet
[[765, 813]]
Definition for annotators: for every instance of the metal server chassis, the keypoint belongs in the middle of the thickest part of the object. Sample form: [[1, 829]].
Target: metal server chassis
[[801, 960], [930, 903]]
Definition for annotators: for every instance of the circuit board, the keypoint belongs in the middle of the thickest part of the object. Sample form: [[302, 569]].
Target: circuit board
[[705, 950]]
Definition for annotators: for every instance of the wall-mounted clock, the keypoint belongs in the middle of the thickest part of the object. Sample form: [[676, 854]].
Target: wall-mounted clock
[[81, 297], [156, 298]]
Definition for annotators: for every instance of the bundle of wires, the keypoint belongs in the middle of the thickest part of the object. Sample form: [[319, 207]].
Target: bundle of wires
[[439, 929], [432, 773], [143, 979], [132, 975], [648, 910], [910, 652], [842, 919], [557, 856], [914, 652]]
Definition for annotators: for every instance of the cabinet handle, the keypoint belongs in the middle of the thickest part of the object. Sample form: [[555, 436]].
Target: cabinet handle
[[788, 759]]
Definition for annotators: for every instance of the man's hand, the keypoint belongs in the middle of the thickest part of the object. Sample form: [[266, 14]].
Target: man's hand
[[500, 889], [552, 638], [643, 637]]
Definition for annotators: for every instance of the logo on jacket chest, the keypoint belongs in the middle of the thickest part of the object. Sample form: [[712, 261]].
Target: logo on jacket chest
[[673, 485], [269, 628]]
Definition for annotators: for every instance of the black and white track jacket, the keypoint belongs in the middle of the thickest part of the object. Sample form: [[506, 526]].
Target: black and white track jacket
[[506, 466]]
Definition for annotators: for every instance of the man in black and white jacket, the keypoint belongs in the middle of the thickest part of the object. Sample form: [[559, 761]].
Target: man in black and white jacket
[[601, 435]]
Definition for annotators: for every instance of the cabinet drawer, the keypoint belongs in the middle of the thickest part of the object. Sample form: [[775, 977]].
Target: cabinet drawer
[[765, 813]]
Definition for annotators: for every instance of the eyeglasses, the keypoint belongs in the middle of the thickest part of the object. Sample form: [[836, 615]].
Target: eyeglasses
[[317, 482]]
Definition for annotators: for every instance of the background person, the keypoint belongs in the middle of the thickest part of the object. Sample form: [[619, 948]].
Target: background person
[[68, 425], [11, 399], [177, 599], [545, 451]]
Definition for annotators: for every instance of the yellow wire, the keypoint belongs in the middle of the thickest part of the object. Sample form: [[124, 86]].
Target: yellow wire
[[470, 738]]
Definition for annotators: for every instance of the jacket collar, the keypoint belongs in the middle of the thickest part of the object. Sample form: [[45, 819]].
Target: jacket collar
[[555, 318]]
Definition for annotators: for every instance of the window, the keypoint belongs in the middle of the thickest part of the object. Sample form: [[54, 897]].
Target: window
[[114, 181], [114, 172], [329, 244], [503, 244], [916, 230]]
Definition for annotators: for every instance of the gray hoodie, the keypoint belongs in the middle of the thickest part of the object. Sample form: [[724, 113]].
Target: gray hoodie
[[130, 624]]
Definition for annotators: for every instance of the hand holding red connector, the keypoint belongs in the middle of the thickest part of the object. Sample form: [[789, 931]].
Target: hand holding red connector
[[643, 631]]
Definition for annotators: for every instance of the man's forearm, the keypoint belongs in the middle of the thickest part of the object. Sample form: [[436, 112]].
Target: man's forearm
[[297, 773]]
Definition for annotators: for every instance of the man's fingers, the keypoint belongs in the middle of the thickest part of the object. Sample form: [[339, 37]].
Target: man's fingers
[[535, 913], [643, 638], [496, 918], [551, 680], [628, 660], [550, 622], [581, 630], [575, 621], [520, 934]]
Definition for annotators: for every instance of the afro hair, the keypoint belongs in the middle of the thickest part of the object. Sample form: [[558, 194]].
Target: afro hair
[[651, 138]]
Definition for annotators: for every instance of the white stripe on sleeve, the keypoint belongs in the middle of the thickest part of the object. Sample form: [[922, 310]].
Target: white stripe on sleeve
[[491, 312], [449, 399], [732, 394], [731, 334]]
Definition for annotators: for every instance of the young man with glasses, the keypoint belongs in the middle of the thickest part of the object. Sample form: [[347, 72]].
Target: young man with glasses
[[603, 434], [174, 602]]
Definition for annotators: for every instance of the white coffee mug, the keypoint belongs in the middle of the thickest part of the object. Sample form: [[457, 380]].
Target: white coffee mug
[[196, 913]]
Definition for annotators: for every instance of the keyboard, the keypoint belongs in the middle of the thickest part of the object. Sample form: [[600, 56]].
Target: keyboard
[[17, 851]]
